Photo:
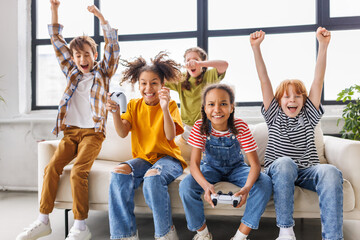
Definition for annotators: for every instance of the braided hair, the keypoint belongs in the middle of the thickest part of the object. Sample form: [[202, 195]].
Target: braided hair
[[205, 127], [203, 56], [167, 69]]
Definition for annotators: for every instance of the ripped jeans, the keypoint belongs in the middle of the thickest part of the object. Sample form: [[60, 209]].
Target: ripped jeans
[[155, 188]]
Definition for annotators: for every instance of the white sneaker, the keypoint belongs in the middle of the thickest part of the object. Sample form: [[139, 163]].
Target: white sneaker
[[76, 234], [36, 230], [207, 236], [171, 235], [286, 237], [135, 237]]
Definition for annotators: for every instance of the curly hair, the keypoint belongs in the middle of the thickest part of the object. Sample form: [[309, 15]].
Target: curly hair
[[167, 69], [205, 127], [203, 56]]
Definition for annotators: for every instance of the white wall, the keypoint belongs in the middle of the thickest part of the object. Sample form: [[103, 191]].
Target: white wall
[[20, 128]]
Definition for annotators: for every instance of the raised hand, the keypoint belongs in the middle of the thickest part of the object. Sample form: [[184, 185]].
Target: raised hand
[[94, 10], [164, 95], [192, 64], [323, 35], [54, 4], [256, 38]]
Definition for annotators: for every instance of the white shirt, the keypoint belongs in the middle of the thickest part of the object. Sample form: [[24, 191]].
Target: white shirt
[[79, 108]]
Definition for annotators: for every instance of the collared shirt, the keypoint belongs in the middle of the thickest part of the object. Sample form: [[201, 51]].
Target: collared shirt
[[102, 71]]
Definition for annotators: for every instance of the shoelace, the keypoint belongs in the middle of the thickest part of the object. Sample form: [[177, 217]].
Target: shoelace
[[32, 226], [73, 232]]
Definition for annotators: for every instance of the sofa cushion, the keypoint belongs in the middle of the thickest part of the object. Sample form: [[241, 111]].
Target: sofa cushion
[[260, 133], [99, 180], [115, 148]]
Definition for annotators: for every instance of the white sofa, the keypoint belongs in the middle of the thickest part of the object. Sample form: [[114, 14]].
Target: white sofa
[[344, 154]]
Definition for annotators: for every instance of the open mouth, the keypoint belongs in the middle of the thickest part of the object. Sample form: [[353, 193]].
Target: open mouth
[[292, 109], [85, 67], [218, 116]]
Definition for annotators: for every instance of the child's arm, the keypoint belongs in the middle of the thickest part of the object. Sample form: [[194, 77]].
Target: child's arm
[[109, 63], [220, 65], [252, 177], [122, 126], [199, 177], [323, 37], [54, 11], [62, 51], [255, 40], [169, 125]]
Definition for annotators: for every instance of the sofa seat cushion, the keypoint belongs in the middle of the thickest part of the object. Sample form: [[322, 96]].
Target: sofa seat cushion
[[99, 180], [304, 200]]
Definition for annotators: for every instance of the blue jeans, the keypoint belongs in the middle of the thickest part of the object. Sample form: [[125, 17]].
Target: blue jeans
[[191, 191], [155, 189], [324, 179]]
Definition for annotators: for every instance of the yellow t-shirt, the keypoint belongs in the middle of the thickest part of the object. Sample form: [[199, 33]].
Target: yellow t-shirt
[[190, 100], [148, 140]]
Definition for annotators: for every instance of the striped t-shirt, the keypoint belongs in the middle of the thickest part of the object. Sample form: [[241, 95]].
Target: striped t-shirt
[[245, 137], [292, 137]]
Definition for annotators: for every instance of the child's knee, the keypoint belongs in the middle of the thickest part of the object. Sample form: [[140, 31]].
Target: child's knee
[[123, 169], [152, 172]]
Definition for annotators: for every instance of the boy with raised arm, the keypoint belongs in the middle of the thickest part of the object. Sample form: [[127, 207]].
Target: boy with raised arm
[[82, 116]]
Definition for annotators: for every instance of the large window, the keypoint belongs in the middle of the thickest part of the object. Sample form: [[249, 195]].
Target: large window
[[222, 28]]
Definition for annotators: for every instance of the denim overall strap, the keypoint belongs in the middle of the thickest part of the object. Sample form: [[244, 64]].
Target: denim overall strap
[[222, 151]]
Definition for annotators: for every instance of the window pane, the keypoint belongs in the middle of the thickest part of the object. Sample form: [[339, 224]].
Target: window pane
[[149, 49], [233, 14], [344, 8], [51, 82], [283, 61], [75, 17], [139, 16], [342, 69]]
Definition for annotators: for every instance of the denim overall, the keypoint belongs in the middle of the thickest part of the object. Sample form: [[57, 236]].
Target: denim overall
[[223, 161]]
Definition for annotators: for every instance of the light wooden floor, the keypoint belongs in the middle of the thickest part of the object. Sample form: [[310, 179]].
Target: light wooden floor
[[19, 209]]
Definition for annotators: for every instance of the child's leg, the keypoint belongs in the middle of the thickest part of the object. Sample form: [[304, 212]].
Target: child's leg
[[257, 199], [124, 180], [190, 193], [64, 153], [327, 181], [283, 173], [155, 189], [88, 148]]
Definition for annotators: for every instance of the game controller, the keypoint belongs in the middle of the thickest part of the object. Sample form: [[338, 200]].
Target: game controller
[[225, 198], [120, 99]]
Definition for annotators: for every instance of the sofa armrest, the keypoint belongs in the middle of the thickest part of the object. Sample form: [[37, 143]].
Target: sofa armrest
[[46, 150], [345, 155]]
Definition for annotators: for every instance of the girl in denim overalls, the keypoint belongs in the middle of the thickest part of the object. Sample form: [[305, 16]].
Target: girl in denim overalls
[[218, 135]]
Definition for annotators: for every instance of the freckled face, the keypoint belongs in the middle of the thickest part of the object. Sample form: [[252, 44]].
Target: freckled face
[[149, 86], [291, 102]]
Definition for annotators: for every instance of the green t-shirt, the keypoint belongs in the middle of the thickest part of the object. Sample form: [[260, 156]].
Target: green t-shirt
[[190, 100]]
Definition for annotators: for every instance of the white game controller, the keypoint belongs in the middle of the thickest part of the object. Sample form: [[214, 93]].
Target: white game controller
[[120, 99], [225, 198]]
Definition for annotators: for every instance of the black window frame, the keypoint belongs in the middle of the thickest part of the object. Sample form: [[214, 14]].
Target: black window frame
[[202, 34]]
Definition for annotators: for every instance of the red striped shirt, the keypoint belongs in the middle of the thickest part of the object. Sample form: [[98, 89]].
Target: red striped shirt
[[245, 137]]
